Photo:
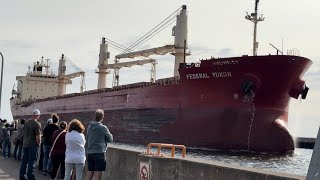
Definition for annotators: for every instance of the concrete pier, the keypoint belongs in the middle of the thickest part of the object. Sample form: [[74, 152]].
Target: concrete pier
[[124, 164], [9, 170]]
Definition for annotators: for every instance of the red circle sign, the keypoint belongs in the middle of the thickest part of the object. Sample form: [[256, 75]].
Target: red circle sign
[[144, 173]]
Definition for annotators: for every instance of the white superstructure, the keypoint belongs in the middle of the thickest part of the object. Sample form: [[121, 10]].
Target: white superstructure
[[37, 83]]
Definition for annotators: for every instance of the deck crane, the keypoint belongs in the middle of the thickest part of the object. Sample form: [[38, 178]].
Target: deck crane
[[64, 79], [143, 53], [179, 31], [104, 66], [117, 66]]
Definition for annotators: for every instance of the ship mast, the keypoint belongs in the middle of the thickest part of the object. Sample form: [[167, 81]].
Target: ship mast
[[255, 19]]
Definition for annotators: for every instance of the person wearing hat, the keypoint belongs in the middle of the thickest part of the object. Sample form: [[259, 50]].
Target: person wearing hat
[[49, 121], [31, 141]]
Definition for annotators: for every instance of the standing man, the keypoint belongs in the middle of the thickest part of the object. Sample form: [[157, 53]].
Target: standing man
[[31, 141], [47, 144], [98, 137]]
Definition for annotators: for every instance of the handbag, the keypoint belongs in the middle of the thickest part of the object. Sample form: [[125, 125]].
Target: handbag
[[55, 143]]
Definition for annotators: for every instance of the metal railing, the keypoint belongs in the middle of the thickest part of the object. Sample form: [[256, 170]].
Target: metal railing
[[161, 145]]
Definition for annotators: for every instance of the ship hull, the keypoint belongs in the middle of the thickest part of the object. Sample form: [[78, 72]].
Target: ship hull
[[161, 125], [207, 108]]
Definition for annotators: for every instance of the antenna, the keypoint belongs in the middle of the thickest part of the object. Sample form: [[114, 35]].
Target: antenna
[[47, 66], [253, 17]]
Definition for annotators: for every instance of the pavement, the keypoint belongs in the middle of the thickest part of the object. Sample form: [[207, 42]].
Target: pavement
[[9, 170]]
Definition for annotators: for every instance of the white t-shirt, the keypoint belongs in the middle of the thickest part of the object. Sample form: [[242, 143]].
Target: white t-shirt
[[75, 152]]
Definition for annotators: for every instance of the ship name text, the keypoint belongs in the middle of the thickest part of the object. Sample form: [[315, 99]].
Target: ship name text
[[221, 74], [208, 76], [198, 76]]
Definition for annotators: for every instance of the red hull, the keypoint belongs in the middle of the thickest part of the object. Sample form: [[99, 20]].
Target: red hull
[[212, 105]]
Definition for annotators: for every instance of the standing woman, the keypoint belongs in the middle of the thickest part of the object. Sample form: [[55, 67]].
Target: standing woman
[[75, 153], [58, 150]]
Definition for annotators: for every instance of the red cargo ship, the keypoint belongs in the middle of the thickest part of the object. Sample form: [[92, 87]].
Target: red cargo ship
[[237, 103]]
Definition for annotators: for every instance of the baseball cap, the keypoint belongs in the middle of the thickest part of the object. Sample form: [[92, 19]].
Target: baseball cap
[[36, 112], [49, 121]]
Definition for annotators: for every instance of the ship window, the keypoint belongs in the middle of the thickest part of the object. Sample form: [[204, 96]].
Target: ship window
[[35, 89], [27, 89], [41, 89], [45, 83]]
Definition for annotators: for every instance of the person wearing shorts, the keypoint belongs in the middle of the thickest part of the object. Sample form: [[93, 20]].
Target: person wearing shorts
[[98, 137]]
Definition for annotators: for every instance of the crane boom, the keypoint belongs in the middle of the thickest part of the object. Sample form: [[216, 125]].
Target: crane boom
[[158, 50], [129, 64], [76, 74]]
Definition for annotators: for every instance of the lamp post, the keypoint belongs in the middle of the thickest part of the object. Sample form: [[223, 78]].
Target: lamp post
[[1, 80]]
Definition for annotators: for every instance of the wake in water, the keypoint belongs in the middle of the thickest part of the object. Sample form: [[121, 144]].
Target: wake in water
[[296, 163]]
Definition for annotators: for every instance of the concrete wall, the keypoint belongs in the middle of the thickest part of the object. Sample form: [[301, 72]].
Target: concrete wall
[[125, 165], [121, 164]]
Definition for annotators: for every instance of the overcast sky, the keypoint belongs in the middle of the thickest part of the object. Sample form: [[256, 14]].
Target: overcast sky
[[34, 28]]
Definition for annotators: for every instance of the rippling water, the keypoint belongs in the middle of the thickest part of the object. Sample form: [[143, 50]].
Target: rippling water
[[296, 163]]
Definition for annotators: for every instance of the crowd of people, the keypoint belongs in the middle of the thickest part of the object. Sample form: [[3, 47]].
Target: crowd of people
[[59, 145]]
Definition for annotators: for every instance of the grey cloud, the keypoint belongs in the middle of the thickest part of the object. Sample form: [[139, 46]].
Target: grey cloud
[[203, 52], [225, 52], [16, 44]]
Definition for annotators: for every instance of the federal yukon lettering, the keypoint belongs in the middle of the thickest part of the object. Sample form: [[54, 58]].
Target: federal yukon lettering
[[221, 74], [207, 76], [197, 76]]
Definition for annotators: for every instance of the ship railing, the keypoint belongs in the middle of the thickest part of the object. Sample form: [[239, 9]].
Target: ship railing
[[159, 146], [132, 86], [166, 81]]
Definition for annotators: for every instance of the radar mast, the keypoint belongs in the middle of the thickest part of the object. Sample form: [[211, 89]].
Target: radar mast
[[253, 17]]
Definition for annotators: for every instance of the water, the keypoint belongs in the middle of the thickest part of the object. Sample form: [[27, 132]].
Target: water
[[295, 164]]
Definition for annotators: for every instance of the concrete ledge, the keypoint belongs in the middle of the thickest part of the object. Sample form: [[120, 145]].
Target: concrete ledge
[[124, 164]]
